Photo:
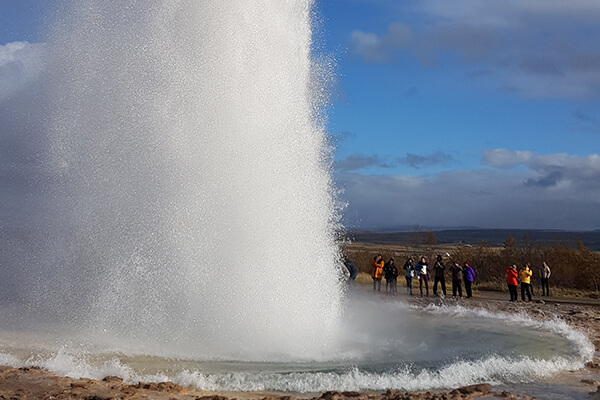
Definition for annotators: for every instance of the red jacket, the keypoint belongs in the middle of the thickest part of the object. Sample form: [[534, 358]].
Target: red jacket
[[511, 276]]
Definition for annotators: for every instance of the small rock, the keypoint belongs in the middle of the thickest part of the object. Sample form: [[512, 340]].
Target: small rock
[[169, 387], [480, 388], [112, 379], [330, 395], [213, 397], [80, 384]]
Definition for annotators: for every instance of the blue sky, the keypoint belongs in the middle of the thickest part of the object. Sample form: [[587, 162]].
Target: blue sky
[[465, 113]]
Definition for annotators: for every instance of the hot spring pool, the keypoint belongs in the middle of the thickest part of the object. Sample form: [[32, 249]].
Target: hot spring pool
[[383, 343]]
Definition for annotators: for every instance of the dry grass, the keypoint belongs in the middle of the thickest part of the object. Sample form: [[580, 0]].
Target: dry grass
[[576, 271], [364, 279]]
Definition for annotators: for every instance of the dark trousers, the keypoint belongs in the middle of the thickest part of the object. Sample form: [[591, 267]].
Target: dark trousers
[[442, 282], [468, 289], [545, 287], [409, 280], [424, 278], [456, 287], [512, 290], [393, 285], [377, 284], [525, 289]]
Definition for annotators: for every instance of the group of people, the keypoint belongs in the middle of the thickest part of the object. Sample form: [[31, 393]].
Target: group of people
[[421, 271], [387, 270], [461, 274], [514, 277]]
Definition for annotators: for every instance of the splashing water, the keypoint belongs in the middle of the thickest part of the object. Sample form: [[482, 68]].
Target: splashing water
[[193, 221], [194, 203]]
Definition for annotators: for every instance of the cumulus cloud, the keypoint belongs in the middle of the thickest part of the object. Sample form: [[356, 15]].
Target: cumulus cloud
[[534, 49], [357, 162], [492, 198], [377, 49], [522, 189], [550, 170], [503, 158], [417, 161]]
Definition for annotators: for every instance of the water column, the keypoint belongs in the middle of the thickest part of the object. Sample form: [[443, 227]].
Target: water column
[[193, 200]]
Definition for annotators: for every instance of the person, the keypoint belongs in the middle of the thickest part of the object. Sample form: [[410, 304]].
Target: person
[[512, 281], [409, 273], [469, 277], [525, 276], [377, 272], [352, 270], [393, 273], [438, 275], [457, 277], [545, 275], [387, 275], [423, 273]]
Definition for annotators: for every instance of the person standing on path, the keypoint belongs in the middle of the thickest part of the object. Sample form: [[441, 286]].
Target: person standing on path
[[545, 275], [377, 272], [409, 273], [438, 275], [469, 276], [387, 275], [423, 272], [512, 281], [525, 276], [457, 277], [352, 270], [393, 271]]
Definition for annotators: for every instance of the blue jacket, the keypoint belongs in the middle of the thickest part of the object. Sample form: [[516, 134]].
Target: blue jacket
[[469, 274]]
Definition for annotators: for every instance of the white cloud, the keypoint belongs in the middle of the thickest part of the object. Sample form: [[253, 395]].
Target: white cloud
[[377, 49], [355, 162], [484, 198], [547, 191], [20, 63], [552, 170], [417, 160], [502, 158], [533, 49]]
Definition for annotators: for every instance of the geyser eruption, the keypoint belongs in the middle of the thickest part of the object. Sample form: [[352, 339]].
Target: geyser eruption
[[191, 181], [192, 221]]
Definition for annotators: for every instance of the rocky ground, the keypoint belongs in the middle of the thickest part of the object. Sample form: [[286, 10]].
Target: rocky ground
[[35, 383]]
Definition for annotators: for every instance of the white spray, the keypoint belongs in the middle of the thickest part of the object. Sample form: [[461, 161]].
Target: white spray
[[194, 202]]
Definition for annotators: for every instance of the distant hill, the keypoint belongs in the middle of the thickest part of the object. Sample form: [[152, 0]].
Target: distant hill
[[473, 236]]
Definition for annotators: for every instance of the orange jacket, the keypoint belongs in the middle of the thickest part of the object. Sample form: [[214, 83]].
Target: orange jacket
[[377, 270]]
